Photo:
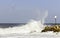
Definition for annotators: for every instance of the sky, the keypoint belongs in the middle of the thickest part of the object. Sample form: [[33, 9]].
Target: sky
[[21, 11]]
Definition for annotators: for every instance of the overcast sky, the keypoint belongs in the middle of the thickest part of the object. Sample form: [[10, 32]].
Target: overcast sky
[[23, 10]]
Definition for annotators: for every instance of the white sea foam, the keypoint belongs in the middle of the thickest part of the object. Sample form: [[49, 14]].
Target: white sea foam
[[30, 30], [31, 26]]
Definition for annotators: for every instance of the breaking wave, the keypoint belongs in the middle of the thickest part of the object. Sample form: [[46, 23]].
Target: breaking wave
[[33, 26]]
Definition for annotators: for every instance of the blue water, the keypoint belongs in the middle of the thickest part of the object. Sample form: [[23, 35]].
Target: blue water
[[7, 25]]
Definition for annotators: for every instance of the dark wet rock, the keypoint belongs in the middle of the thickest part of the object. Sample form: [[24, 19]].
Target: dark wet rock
[[54, 28]]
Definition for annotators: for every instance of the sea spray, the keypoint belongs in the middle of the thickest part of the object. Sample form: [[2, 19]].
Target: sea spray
[[30, 27], [33, 26], [44, 16], [41, 15]]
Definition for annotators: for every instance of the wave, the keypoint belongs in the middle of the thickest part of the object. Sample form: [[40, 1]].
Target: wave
[[33, 26]]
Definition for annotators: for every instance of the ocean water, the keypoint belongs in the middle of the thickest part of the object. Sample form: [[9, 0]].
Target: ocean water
[[7, 25], [31, 29]]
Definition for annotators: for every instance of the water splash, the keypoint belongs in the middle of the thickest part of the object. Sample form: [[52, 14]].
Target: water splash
[[31, 27], [45, 15]]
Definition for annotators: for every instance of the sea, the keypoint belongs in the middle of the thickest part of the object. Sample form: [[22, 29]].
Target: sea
[[7, 25], [31, 29]]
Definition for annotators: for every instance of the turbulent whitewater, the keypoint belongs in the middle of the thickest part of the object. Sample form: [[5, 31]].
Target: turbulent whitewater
[[30, 30], [31, 26]]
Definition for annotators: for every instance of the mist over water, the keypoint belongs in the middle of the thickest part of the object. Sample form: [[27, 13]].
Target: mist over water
[[33, 26], [30, 30]]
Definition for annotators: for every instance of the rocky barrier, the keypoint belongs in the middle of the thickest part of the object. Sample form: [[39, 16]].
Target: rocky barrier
[[54, 28]]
